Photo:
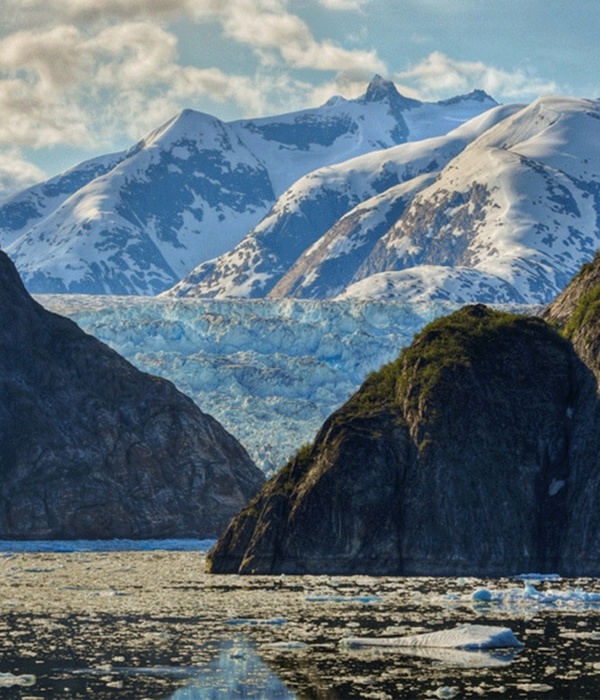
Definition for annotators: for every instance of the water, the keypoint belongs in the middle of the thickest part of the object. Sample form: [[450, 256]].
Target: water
[[150, 623]]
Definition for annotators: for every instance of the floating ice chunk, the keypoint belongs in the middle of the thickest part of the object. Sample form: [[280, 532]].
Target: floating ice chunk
[[467, 637], [529, 596], [538, 577], [275, 622], [343, 599], [460, 658], [535, 687], [555, 486], [8, 680], [444, 692]]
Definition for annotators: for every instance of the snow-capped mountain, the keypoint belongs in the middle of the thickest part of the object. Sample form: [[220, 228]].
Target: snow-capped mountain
[[300, 229], [503, 209], [511, 219], [138, 221], [190, 186]]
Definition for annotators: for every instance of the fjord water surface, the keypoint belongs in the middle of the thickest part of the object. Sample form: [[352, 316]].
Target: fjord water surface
[[150, 623]]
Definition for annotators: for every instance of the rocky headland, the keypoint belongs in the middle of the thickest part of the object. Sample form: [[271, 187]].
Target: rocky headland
[[475, 452], [92, 448]]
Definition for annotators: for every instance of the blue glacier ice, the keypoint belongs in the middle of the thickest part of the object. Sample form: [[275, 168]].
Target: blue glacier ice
[[270, 371]]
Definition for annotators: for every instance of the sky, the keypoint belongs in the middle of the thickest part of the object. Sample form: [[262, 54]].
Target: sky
[[81, 78]]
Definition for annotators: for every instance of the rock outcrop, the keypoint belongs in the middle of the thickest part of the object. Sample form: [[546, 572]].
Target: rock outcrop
[[475, 452], [90, 447]]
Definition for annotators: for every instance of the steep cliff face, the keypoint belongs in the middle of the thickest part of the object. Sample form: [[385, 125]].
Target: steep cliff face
[[576, 311], [93, 448], [454, 459]]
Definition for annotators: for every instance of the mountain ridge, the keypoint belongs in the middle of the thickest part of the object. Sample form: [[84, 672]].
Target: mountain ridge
[[138, 221], [314, 204], [509, 217]]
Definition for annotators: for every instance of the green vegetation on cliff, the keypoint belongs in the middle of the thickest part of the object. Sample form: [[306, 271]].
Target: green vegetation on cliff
[[586, 313], [447, 343]]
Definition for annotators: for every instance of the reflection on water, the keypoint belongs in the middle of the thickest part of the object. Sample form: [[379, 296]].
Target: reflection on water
[[237, 672], [125, 625]]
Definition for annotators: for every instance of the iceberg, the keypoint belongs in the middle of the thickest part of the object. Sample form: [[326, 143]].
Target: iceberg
[[458, 658], [9, 680], [469, 637]]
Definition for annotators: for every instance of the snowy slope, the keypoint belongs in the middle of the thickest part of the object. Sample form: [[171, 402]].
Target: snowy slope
[[315, 203], [512, 213], [515, 214], [135, 228], [426, 283], [137, 222], [24, 209]]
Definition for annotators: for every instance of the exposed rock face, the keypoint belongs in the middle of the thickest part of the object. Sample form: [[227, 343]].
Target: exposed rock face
[[577, 312], [92, 448], [475, 452]]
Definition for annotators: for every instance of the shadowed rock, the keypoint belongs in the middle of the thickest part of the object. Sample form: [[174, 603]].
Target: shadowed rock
[[90, 447]]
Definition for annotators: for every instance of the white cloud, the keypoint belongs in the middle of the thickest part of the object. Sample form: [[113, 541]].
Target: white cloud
[[30, 116], [439, 76], [132, 55], [54, 55], [91, 69], [344, 5], [266, 26], [97, 11], [16, 173]]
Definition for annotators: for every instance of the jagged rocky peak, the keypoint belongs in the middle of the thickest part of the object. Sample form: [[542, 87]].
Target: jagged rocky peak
[[381, 90], [475, 452], [93, 448], [474, 95]]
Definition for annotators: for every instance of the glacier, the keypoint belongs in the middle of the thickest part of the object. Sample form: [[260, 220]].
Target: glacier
[[271, 371]]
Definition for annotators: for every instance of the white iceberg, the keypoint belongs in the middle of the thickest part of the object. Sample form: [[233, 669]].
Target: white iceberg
[[9, 680], [467, 637]]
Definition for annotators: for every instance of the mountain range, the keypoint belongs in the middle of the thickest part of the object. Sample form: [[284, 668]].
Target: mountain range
[[139, 221], [503, 209], [379, 197]]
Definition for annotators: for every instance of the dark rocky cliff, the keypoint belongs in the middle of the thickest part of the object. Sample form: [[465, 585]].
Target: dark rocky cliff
[[92, 448], [475, 452]]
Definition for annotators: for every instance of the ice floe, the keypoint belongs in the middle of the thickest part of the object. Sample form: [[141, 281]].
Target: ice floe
[[366, 599], [9, 680], [529, 596], [467, 637]]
